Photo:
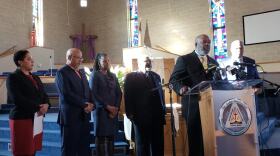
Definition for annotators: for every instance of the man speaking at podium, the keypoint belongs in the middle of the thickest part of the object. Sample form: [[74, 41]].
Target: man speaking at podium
[[190, 70]]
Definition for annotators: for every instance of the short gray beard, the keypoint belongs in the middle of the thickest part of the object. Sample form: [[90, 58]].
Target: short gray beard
[[200, 51]]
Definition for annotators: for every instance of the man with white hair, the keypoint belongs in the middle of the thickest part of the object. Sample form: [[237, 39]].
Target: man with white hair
[[240, 67], [75, 105]]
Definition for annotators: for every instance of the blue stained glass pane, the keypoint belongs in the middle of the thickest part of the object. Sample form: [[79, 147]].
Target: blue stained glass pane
[[218, 13], [219, 29], [134, 23], [220, 44], [133, 5], [134, 33], [34, 8]]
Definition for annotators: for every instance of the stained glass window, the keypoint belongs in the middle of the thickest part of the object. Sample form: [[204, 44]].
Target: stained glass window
[[37, 36], [219, 29], [133, 38]]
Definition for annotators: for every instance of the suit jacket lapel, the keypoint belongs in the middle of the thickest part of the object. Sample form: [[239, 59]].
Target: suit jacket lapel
[[84, 81], [74, 74], [196, 61]]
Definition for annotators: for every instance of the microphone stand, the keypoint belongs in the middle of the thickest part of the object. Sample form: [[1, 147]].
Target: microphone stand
[[51, 65], [173, 130]]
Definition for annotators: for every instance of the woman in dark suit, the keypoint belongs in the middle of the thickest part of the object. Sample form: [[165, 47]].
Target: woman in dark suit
[[26, 92], [107, 97]]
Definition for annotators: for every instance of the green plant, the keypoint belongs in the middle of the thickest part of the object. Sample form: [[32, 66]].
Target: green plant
[[120, 73]]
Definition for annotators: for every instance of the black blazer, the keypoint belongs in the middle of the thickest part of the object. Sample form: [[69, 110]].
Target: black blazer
[[189, 71], [25, 95], [73, 93], [142, 105], [252, 72]]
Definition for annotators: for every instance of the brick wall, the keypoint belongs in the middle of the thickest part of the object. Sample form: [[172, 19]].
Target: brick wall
[[58, 27], [235, 9], [16, 23], [174, 24], [108, 20]]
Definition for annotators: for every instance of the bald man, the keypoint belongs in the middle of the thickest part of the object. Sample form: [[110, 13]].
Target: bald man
[[245, 72], [190, 70], [75, 105]]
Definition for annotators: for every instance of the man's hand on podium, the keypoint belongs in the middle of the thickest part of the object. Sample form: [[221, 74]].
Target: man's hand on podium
[[183, 90], [257, 90]]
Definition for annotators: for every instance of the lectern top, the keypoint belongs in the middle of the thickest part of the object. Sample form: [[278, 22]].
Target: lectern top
[[224, 85]]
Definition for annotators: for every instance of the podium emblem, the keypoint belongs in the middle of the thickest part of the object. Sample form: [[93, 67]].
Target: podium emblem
[[235, 117]]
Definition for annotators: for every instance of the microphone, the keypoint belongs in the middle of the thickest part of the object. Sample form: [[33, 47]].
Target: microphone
[[231, 70], [244, 64], [182, 71], [51, 65], [211, 68], [215, 72]]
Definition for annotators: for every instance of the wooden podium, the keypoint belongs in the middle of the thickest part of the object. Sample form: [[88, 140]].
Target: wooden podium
[[228, 118]]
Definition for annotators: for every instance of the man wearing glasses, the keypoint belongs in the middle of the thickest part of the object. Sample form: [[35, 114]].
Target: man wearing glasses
[[75, 105]]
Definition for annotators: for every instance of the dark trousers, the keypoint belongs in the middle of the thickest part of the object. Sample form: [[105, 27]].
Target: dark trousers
[[195, 137], [149, 140], [76, 139], [104, 145], [192, 116]]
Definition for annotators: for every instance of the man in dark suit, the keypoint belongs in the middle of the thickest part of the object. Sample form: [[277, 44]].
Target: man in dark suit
[[145, 107], [190, 70], [245, 72], [75, 105]]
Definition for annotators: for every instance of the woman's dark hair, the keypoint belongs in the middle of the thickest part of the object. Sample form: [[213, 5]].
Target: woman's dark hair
[[96, 66], [19, 56]]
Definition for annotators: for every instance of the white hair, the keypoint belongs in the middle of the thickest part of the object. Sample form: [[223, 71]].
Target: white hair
[[69, 54], [236, 42]]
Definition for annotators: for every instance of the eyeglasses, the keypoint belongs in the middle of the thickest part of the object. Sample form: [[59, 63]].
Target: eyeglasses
[[78, 57]]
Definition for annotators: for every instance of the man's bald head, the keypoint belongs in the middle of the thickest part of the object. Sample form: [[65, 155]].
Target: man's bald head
[[237, 49], [202, 44], [201, 36], [74, 57]]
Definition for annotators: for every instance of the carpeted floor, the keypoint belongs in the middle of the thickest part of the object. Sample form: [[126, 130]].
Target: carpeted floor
[[272, 147], [270, 152], [274, 141]]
